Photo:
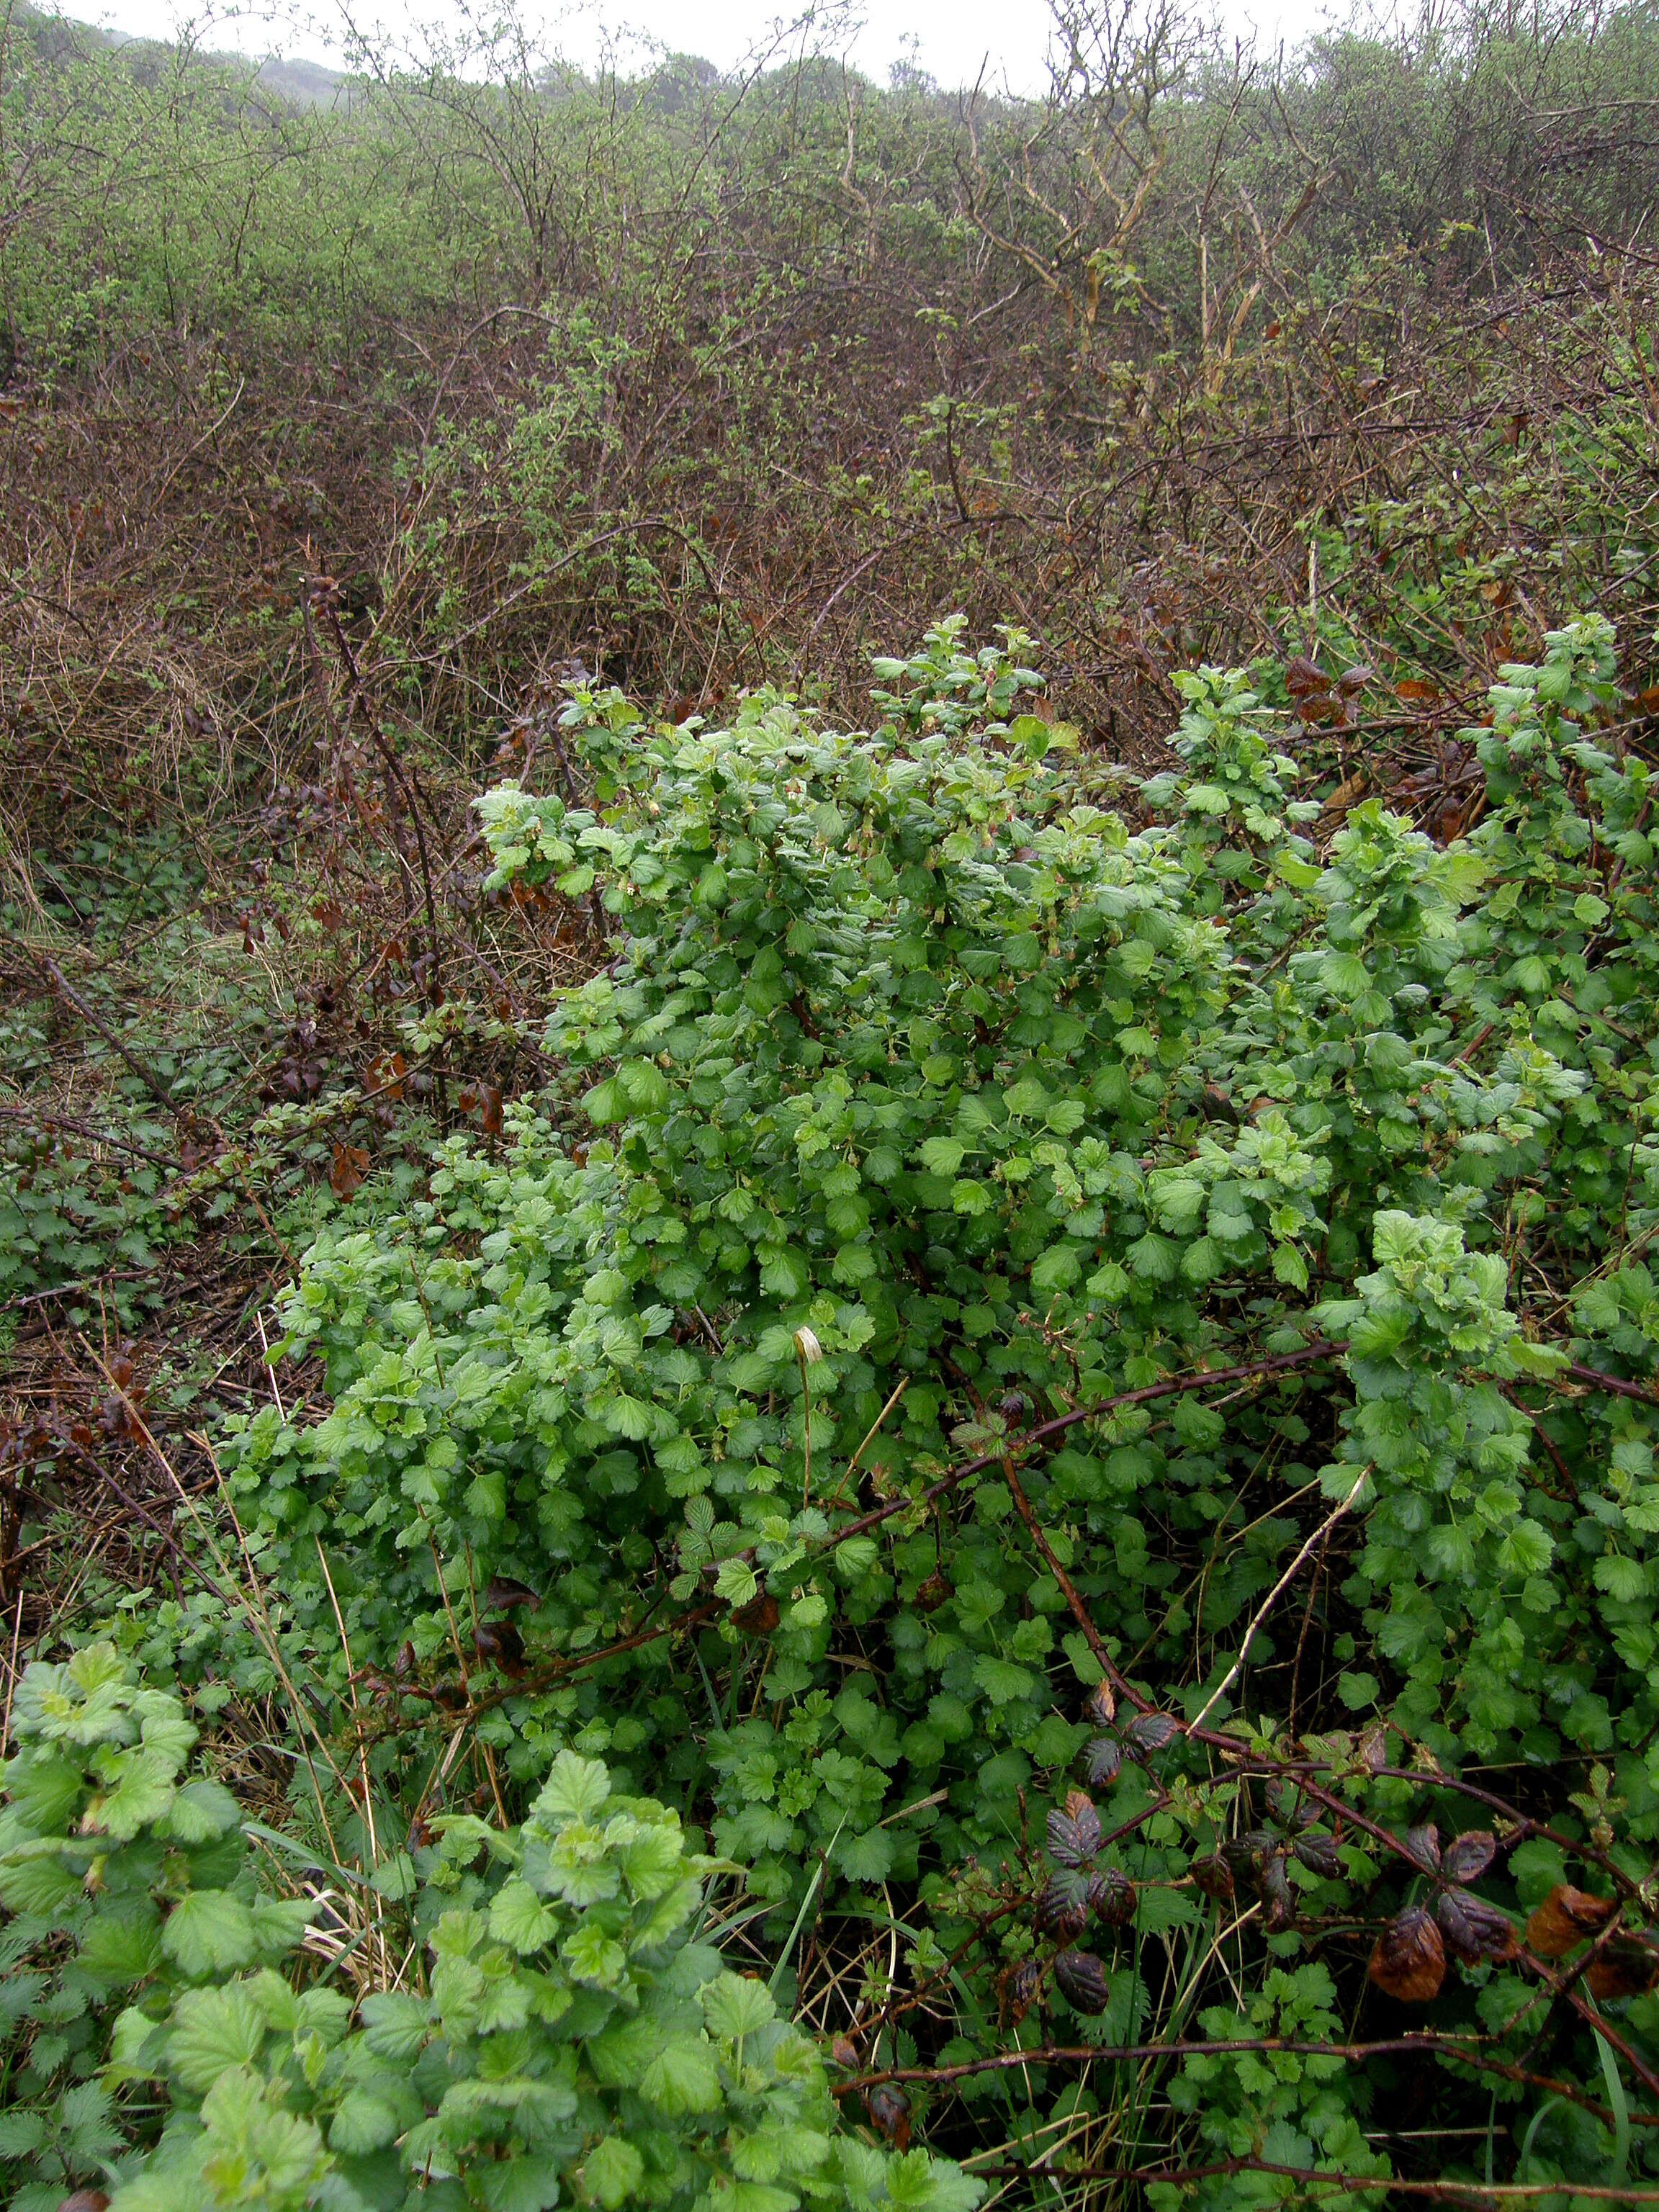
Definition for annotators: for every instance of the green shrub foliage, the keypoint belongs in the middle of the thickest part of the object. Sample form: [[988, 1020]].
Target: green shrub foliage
[[567, 2030], [943, 1086]]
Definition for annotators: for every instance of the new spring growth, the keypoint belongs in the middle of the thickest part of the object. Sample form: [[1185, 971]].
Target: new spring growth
[[808, 1352]]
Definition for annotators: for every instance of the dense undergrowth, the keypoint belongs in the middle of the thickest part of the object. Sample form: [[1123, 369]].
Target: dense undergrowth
[[780, 1431]]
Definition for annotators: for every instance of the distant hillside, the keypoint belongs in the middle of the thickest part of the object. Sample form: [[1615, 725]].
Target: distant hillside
[[306, 84]]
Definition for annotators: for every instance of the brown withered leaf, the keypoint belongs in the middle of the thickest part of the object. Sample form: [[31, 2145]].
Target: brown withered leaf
[[1112, 1895], [889, 2112], [1017, 1988], [1473, 1929], [1101, 1705], [1303, 678], [1074, 1830], [1104, 1761], [386, 1074], [85, 2200], [844, 2053], [1566, 1919], [503, 1593], [1467, 1858], [1625, 1967], [932, 1594], [1409, 1961], [1082, 1979], [759, 1617], [347, 1169], [499, 1642]]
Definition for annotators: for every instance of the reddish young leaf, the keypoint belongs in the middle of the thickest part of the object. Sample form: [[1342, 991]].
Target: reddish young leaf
[[1080, 1809], [1302, 677], [1276, 1893], [503, 1593], [498, 1640]]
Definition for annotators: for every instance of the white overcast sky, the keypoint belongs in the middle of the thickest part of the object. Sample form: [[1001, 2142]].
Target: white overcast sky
[[949, 39]]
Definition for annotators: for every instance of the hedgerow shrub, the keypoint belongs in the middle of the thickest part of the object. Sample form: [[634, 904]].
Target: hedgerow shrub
[[941, 1086], [569, 2032]]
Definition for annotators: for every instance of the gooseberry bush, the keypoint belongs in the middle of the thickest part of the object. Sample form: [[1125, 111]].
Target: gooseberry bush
[[1069, 1363]]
